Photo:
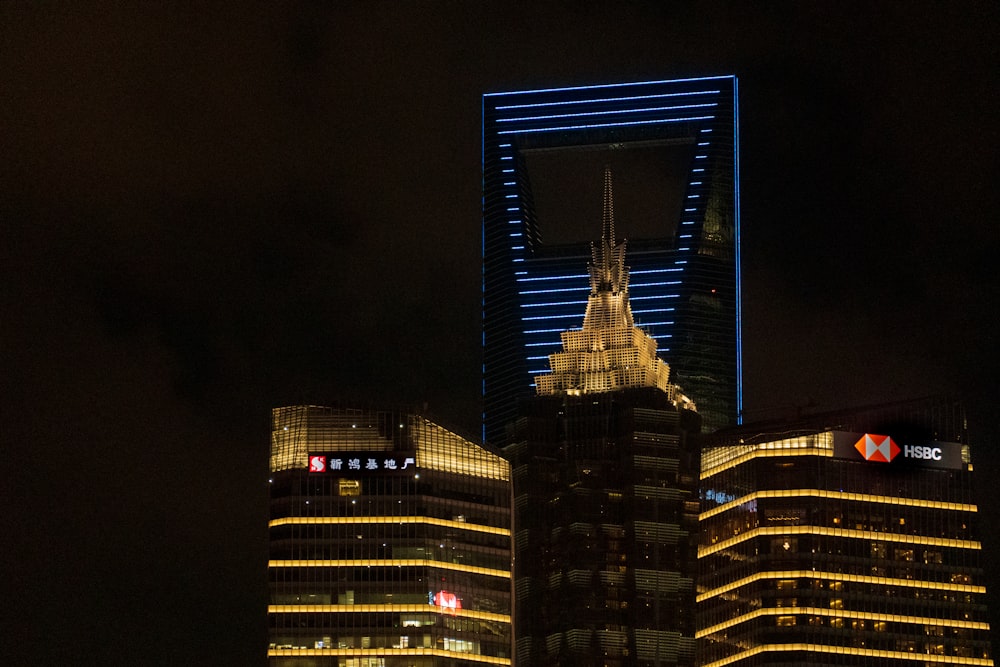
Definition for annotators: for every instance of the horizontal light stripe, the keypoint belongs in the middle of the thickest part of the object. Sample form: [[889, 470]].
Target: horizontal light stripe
[[379, 652], [909, 658], [838, 613], [392, 562], [839, 576], [385, 609], [430, 521], [764, 453], [838, 495], [837, 532]]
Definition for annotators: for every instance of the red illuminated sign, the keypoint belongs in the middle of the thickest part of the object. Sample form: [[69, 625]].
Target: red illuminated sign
[[317, 464], [447, 600], [877, 448]]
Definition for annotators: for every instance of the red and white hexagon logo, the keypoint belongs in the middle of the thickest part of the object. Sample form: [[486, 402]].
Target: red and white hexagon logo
[[877, 448], [317, 464]]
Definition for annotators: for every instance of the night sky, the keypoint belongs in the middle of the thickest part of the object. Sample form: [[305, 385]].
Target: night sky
[[209, 210]]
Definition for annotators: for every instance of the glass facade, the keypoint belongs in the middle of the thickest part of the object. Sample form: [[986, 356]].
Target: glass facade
[[681, 136], [605, 530], [828, 547], [389, 543]]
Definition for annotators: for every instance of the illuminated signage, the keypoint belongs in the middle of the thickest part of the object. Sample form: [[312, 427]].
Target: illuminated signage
[[877, 448], [362, 463], [446, 600], [884, 449]]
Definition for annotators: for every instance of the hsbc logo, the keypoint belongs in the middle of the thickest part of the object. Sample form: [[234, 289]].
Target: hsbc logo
[[877, 448], [926, 453], [884, 449]]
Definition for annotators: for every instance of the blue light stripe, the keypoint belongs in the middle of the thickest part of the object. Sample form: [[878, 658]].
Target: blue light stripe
[[636, 273], [558, 342], [507, 107], [557, 303], [561, 289], [596, 125], [655, 296], [571, 277], [552, 317], [608, 112], [605, 86], [669, 282]]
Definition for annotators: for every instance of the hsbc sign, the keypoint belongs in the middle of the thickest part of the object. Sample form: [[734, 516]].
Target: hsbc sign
[[884, 449]]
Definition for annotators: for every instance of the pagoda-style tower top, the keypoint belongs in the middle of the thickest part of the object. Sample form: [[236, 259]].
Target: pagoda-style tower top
[[609, 352]]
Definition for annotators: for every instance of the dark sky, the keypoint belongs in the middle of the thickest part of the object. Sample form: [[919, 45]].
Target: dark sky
[[207, 210]]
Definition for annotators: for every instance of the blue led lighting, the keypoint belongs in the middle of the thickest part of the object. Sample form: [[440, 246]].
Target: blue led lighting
[[698, 170], [654, 324], [517, 247], [551, 317], [504, 145], [636, 273], [550, 291], [515, 209], [513, 222], [706, 130], [520, 273], [537, 358], [692, 183], [703, 143], [683, 249], [700, 157], [510, 183], [687, 222], [572, 277], [654, 296], [538, 331], [694, 196], [542, 344], [506, 157], [514, 235], [510, 196], [604, 86], [669, 282], [681, 261], [506, 171], [518, 259], [689, 210], [557, 303], [536, 105], [609, 112], [653, 310], [591, 126], [682, 236]]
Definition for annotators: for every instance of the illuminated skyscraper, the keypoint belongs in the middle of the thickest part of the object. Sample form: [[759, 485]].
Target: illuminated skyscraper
[[605, 497], [848, 539], [673, 148], [389, 543]]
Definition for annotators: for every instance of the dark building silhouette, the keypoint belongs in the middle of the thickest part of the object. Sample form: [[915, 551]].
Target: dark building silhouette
[[848, 538], [389, 543], [605, 493], [673, 148]]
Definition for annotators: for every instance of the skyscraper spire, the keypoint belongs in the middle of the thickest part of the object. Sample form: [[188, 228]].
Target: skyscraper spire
[[609, 352]]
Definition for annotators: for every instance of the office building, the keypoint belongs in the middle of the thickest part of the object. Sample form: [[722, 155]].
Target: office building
[[389, 543], [845, 539], [673, 148], [605, 494]]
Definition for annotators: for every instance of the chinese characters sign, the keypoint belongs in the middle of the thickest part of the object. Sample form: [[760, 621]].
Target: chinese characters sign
[[362, 463]]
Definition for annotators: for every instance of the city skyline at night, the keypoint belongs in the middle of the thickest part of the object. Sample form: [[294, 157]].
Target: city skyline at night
[[209, 212]]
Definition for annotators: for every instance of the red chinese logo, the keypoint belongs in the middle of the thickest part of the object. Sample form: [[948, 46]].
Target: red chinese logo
[[877, 448], [317, 464]]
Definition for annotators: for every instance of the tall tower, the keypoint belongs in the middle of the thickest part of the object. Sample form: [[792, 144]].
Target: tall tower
[[605, 495], [673, 145], [845, 539], [389, 543]]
